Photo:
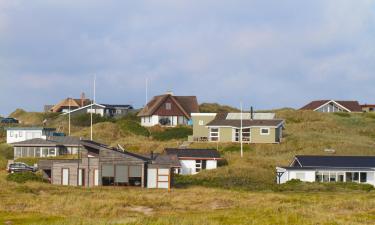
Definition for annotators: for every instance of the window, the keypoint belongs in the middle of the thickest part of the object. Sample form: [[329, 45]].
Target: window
[[245, 134], [319, 177], [332, 177], [168, 106], [325, 177], [214, 134], [51, 152], [18, 152], [81, 177], [264, 131], [37, 152], [200, 165], [11, 133], [340, 177], [108, 174], [363, 177], [20, 133], [201, 123]]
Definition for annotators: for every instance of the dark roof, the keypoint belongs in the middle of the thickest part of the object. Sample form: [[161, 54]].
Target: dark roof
[[51, 141], [171, 160], [99, 146], [353, 106], [188, 104], [336, 161], [117, 106], [220, 120], [368, 105], [193, 153]]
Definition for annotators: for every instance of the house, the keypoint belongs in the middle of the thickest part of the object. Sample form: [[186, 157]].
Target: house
[[368, 108], [101, 165], [69, 104], [225, 127], [17, 134], [104, 110], [329, 106], [193, 161], [52, 146], [168, 110], [308, 168]]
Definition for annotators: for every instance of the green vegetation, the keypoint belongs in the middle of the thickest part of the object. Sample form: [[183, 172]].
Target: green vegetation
[[84, 120], [6, 153], [214, 107], [241, 191], [172, 133], [24, 177]]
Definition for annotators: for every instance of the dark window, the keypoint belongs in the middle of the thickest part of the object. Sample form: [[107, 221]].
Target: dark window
[[363, 177]]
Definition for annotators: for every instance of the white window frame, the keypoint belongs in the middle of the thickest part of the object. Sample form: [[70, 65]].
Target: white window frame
[[198, 165], [216, 132], [10, 133], [264, 128], [168, 106]]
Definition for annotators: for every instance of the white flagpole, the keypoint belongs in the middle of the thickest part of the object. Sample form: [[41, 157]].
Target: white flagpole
[[92, 102], [69, 99], [241, 133]]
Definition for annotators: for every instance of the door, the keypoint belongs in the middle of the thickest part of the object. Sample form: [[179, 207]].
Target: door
[[81, 177], [65, 176], [96, 177]]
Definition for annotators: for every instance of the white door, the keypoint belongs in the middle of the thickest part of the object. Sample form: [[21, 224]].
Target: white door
[[65, 176], [96, 177]]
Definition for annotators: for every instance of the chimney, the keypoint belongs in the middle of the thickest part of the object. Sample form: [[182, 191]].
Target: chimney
[[83, 97], [251, 113], [152, 155], [169, 93]]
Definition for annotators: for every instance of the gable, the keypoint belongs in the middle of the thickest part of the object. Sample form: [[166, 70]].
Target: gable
[[331, 106], [174, 110]]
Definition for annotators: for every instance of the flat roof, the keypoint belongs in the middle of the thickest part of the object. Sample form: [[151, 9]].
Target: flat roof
[[30, 128]]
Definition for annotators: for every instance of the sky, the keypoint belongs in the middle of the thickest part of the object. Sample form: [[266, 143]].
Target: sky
[[266, 54]]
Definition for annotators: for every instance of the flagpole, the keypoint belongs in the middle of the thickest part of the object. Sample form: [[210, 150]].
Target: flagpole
[[146, 91], [69, 99], [241, 132], [92, 102]]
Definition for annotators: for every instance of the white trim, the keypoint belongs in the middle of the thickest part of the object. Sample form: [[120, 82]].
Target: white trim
[[218, 134], [87, 106], [203, 114], [332, 101]]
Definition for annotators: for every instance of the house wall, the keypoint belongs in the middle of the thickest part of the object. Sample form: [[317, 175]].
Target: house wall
[[256, 137], [149, 121], [368, 109], [200, 120], [14, 136], [187, 167], [225, 134], [211, 164]]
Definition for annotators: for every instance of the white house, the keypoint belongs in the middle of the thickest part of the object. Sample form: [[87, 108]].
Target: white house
[[359, 169], [192, 161], [107, 110], [17, 134], [168, 110]]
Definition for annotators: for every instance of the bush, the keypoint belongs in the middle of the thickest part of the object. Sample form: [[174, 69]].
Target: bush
[[28, 160], [24, 177], [133, 127], [6, 151], [84, 120], [172, 133], [342, 114]]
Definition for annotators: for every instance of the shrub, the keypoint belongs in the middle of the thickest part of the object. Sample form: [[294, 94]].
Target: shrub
[[28, 160], [236, 148], [172, 133], [6, 151], [24, 177], [133, 127], [84, 120], [342, 114]]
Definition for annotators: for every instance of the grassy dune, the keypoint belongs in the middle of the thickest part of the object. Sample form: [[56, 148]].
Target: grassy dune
[[241, 192]]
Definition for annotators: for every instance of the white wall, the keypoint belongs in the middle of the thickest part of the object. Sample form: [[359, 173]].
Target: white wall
[[23, 135], [211, 164], [309, 176], [149, 121], [187, 167]]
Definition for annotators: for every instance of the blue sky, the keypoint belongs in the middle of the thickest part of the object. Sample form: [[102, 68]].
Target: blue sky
[[268, 54]]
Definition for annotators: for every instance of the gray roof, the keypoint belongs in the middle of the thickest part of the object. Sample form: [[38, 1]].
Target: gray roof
[[194, 153], [51, 141], [221, 120]]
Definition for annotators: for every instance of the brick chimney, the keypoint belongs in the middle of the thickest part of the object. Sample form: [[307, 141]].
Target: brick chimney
[[83, 98]]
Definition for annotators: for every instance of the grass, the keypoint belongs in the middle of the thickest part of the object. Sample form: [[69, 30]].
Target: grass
[[241, 192]]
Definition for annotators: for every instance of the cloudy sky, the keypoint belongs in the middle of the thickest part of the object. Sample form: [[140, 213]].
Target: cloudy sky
[[268, 54]]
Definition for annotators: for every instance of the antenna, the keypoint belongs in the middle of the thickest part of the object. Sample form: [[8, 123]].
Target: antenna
[[241, 132]]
